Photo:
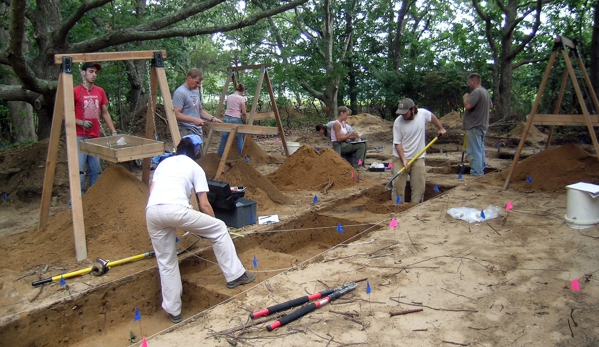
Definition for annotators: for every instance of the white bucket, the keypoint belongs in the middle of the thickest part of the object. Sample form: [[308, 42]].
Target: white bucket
[[583, 205], [292, 147]]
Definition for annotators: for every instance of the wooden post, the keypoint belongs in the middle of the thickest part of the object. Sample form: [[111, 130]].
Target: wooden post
[[150, 119], [223, 160], [275, 109]]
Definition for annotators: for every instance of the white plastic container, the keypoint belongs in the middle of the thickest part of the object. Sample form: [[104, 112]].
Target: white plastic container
[[583, 205], [292, 147]]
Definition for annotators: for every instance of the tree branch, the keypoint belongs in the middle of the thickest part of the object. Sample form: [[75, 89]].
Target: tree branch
[[532, 34], [529, 61], [77, 15], [488, 27], [140, 33], [15, 92]]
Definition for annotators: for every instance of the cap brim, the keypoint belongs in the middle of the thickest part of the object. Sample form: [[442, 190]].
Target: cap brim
[[402, 110]]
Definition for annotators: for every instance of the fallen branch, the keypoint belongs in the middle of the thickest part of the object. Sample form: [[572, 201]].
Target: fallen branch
[[349, 314], [435, 308], [456, 343], [392, 314]]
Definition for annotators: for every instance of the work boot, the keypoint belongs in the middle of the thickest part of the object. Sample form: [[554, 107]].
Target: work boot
[[176, 319], [246, 278]]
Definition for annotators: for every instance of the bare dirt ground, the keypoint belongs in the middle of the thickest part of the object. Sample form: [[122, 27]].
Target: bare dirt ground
[[502, 282]]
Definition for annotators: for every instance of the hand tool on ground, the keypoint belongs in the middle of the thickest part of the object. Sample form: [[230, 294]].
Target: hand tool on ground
[[389, 185], [311, 307], [463, 153], [98, 262], [293, 303]]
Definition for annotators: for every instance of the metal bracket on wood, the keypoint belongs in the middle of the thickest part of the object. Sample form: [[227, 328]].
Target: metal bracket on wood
[[67, 65], [158, 60]]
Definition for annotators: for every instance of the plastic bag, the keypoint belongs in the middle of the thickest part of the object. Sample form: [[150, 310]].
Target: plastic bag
[[121, 141], [472, 215]]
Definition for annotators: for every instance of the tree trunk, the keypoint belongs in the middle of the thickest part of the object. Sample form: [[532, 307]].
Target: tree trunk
[[594, 74]]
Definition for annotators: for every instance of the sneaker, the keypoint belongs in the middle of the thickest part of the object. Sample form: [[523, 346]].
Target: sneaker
[[246, 278], [176, 319]]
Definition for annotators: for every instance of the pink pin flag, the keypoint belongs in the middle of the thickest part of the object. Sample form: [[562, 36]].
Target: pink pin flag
[[393, 223], [352, 174], [575, 285], [360, 162], [509, 206], [390, 166], [277, 139], [144, 342]]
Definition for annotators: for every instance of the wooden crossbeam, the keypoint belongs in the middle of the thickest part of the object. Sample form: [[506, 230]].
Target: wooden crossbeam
[[243, 128], [107, 56], [564, 119]]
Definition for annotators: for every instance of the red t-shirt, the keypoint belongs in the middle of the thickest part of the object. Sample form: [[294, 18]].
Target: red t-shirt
[[88, 106]]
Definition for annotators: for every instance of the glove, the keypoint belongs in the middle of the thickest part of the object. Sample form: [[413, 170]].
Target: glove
[[114, 133], [86, 124]]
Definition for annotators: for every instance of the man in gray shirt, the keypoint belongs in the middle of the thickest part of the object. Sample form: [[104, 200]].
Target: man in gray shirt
[[476, 122], [188, 105]]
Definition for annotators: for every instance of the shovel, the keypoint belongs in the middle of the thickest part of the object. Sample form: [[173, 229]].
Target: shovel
[[462, 167], [390, 183]]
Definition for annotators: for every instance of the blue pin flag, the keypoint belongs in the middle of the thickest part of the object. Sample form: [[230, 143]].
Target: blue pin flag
[[62, 281], [484, 165], [380, 148], [368, 289], [315, 200], [498, 144], [255, 262], [329, 144], [398, 200], [5, 196], [514, 152], [437, 188], [459, 176], [247, 159], [318, 149], [482, 214], [137, 315], [251, 219], [339, 228], [358, 178], [176, 239], [529, 179]]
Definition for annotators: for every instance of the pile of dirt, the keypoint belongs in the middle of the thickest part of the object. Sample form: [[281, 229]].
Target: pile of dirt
[[310, 169], [551, 170], [534, 135], [452, 120], [368, 124], [22, 172], [115, 226], [257, 187], [161, 128]]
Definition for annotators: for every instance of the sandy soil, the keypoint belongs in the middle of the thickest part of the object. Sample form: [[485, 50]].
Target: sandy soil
[[502, 282]]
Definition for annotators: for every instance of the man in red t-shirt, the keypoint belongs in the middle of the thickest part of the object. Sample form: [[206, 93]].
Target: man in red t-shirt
[[90, 103]]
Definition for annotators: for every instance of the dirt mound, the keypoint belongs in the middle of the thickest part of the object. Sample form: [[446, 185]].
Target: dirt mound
[[312, 170], [368, 124], [551, 170], [452, 120], [209, 163], [115, 226], [257, 187], [160, 123], [364, 119], [22, 172], [534, 135]]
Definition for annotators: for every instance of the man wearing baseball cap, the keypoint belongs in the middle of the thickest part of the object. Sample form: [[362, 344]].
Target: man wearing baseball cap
[[408, 140], [90, 103]]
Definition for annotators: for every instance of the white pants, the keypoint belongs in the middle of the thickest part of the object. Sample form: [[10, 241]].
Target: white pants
[[162, 221]]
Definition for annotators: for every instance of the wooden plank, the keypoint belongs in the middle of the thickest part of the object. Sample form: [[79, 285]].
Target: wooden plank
[[244, 128], [221, 102], [150, 121], [566, 41], [564, 119], [107, 56], [73, 165], [277, 116], [533, 112], [248, 67], [264, 116], [52, 157], [168, 106], [223, 159], [133, 148]]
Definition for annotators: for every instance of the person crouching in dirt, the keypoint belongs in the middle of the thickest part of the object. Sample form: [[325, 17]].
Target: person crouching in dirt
[[342, 137], [409, 130], [168, 209]]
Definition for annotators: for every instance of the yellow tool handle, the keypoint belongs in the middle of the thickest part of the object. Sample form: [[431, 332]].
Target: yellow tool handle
[[389, 185]]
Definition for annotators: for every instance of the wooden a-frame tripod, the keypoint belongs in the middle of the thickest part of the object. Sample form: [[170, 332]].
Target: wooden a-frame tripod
[[561, 44]]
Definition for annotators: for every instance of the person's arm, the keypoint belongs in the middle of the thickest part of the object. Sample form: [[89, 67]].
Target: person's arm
[[207, 116], [107, 119], [205, 206], [181, 117], [436, 122], [466, 103], [243, 112], [402, 156]]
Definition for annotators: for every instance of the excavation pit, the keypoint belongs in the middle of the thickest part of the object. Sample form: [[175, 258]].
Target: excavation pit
[[104, 314]]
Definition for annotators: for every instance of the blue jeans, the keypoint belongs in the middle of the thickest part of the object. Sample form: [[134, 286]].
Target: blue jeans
[[225, 136], [93, 166], [475, 149]]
